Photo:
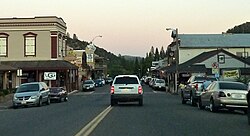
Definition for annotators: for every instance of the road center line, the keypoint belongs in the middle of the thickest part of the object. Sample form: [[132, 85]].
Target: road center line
[[92, 124]]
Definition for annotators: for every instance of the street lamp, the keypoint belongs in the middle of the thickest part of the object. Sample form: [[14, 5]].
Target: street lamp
[[174, 35], [95, 38]]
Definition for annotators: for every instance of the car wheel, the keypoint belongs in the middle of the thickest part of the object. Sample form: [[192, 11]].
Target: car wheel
[[200, 106], [192, 100], [183, 101], [245, 111], [112, 102], [212, 106], [66, 99], [15, 107], [40, 103], [48, 101], [140, 102]]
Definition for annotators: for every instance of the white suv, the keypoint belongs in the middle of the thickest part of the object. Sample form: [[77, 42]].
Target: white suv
[[126, 88]]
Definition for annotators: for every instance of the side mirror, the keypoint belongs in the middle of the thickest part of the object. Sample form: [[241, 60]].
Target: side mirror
[[42, 89]]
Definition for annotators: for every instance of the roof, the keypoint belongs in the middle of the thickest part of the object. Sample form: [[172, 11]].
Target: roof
[[191, 66], [41, 65], [214, 40], [206, 55], [183, 68]]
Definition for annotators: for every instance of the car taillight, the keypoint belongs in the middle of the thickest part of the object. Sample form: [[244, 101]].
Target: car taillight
[[140, 90], [196, 87], [112, 90], [222, 94]]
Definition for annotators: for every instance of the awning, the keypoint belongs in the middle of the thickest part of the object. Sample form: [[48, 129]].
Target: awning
[[41, 65]]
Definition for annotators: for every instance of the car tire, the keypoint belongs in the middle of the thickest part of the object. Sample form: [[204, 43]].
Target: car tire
[[212, 107], [112, 102], [48, 101], [140, 102], [15, 107], [200, 106], [40, 103], [183, 101], [245, 111], [192, 101], [66, 99]]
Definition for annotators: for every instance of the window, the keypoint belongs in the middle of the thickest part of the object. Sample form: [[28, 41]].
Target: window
[[3, 44], [126, 80], [242, 54], [30, 44]]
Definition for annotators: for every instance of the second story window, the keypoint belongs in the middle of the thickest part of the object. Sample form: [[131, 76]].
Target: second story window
[[3, 44], [30, 44]]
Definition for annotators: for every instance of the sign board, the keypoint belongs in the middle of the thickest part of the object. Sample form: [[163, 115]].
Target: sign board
[[49, 76], [231, 74], [19, 72], [215, 68]]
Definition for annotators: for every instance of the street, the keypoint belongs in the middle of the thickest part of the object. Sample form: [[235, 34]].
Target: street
[[161, 114]]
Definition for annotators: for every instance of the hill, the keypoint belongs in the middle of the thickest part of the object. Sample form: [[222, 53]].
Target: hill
[[116, 64], [243, 28]]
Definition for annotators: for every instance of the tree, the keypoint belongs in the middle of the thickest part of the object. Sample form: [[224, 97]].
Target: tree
[[162, 53], [243, 28], [157, 55], [75, 37], [152, 50]]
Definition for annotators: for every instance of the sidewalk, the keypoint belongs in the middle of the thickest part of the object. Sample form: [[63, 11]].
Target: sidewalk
[[6, 101]]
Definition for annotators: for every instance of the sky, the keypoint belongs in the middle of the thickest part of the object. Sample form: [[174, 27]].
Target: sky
[[132, 27]]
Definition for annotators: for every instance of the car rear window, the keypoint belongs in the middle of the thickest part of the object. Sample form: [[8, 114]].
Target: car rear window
[[160, 81], [205, 78], [126, 80], [233, 86]]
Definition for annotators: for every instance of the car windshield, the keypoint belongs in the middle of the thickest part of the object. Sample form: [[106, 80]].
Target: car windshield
[[88, 82], [233, 86], [28, 88], [126, 80], [55, 90]]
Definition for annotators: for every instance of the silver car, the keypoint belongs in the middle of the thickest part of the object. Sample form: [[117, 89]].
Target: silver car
[[224, 94], [159, 84], [34, 93], [88, 85], [126, 88]]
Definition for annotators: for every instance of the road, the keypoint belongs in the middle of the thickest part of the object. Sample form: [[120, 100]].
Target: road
[[161, 114]]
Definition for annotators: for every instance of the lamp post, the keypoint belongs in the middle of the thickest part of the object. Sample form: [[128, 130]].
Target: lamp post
[[174, 35], [95, 38]]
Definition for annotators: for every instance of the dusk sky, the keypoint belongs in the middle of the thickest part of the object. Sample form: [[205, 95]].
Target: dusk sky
[[131, 27]]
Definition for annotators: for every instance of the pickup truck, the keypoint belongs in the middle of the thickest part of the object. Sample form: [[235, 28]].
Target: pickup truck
[[194, 88]]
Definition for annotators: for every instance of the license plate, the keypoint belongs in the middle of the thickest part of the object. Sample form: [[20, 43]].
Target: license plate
[[23, 102], [159, 86], [87, 87]]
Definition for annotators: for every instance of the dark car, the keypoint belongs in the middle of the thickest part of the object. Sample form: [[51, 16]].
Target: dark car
[[58, 94], [194, 88], [99, 83]]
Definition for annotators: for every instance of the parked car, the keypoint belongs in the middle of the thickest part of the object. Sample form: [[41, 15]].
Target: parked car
[[151, 82], [88, 85], [193, 88], [248, 101], [98, 83], [34, 93], [159, 84], [224, 94], [126, 88], [58, 94], [108, 80]]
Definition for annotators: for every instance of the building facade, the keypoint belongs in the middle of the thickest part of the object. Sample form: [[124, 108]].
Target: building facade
[[35, 48]]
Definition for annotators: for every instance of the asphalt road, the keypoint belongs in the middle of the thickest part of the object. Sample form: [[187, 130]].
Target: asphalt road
[[162, 114]]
